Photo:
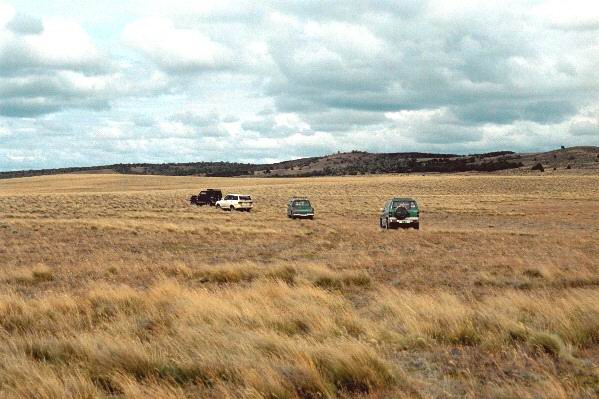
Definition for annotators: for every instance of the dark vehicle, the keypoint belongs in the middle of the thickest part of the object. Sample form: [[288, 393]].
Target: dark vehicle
[[300, 208], [206, 197], [400, 212]]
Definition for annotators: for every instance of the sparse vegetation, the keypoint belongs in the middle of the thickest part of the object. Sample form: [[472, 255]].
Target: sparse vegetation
[[351, 163], [137, 296]]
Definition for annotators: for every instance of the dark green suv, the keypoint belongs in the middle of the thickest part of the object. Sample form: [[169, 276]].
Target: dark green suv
[[400, 212], [300, 207]]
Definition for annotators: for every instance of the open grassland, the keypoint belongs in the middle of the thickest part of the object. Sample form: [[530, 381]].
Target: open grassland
[[113, 286]]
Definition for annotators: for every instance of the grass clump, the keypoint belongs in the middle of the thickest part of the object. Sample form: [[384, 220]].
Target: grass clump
[[38, 274], [42, 273], [333, 280], [548, 343], [227, 274], [354, 369], [287, 274], [244, 272]]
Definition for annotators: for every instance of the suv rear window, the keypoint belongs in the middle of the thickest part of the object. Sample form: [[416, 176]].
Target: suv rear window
[[245, 198], [405, 204]]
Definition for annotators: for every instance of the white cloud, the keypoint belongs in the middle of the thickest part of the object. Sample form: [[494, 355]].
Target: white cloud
[[4, 131], [572, 14], [7, 13], [61, 44], [586, 123], [344, 37], [175, 49]]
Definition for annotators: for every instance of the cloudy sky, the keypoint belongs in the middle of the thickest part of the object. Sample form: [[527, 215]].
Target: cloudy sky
[[87, 83]]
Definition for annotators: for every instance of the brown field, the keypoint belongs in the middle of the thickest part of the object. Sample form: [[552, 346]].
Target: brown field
[[113, 286]]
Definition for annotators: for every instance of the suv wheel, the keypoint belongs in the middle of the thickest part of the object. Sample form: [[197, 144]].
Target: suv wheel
[[387, 224], [401, 213], [381, 223], [217, 206], [232, 208]]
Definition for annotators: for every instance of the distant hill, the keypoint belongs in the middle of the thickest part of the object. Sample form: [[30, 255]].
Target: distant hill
[[353, 163]]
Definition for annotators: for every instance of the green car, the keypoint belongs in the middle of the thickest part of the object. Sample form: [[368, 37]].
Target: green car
[[400, 212], [299, 207]]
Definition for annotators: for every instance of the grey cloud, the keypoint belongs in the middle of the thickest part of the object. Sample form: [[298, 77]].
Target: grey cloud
[[588, 25], [267, 127], [25, 25], [338, 120], [213, 131], [332, 9], [446, 134], [464, 63], [201, 124], [16, 59], [230, 119], [23, 107], [35, 95], [423, 62], [586, 128], [42, 72], [195, 118], [510, 110], [143, 121]]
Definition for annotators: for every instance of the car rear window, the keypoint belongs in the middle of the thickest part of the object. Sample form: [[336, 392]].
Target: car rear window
[[245, 198], [301, 203]]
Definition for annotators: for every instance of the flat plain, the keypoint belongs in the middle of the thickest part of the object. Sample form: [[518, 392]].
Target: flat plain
[[114, 286]]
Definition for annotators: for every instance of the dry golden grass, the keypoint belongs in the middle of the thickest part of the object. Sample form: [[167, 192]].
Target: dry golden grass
[[113, 286]]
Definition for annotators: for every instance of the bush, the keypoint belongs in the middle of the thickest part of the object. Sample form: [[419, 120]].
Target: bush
[[538, 167]]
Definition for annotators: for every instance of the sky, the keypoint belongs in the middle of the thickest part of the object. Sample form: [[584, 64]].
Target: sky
[[89, 83]]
